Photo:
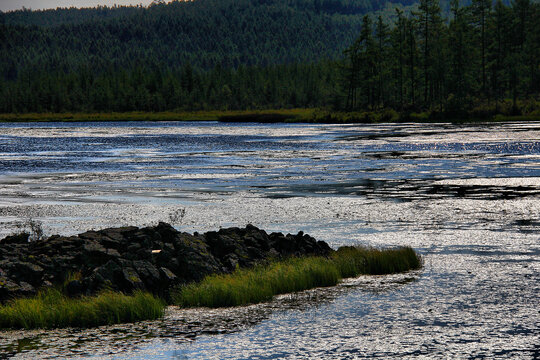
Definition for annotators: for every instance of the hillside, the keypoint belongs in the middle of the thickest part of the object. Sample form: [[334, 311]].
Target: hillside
[[246, 54], [204, 33], [73, 59]]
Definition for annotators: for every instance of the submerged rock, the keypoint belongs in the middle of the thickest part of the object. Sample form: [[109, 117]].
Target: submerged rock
[[130, 258]]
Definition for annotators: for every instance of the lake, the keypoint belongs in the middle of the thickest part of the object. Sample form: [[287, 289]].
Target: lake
[[466, 197]]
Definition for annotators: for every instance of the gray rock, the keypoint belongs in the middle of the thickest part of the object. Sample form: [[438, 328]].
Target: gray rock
[[148, 272], [74, 288], [122, 258], [167, 276], [130, 280], [21, 238], [28, 270]]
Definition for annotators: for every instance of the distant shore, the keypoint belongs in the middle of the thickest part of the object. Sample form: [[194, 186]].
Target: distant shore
[[273, 116]]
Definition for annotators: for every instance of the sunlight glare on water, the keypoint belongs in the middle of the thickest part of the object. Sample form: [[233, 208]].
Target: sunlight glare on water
[[465, 196]]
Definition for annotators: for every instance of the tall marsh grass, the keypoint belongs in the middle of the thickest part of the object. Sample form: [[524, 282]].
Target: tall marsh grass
[[52, 309], [248, 286], [354, 261], [258, 284]]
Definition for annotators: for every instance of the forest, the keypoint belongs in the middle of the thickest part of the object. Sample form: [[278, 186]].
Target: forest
[[484, 56], [273, 54]]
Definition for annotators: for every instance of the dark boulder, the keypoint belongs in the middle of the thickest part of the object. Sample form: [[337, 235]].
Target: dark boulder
[[29, 271], [74, 288], [195, 259], [21, 238]]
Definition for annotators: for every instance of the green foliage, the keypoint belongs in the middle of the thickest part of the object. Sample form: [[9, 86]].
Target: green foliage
[[186, 55], [352, 261], [52, 309], [183, 89], [479, 56], [272, 54], [246, 286]]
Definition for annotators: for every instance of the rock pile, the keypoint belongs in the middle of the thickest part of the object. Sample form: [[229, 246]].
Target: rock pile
[[129, 258]]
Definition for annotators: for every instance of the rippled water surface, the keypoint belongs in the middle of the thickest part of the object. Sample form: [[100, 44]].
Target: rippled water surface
[[466, 197]]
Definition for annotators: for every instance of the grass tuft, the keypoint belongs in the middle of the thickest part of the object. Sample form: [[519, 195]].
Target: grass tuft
[[258, 284], [261, 283], [354, 261], [52, 309]]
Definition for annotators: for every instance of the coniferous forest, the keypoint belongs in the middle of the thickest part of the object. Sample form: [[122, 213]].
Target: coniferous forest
[[273, 54]]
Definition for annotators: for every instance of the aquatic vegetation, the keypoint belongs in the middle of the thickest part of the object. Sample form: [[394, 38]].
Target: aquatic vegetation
[[261, 283], [52, 309], [258, 284], [353, 261]]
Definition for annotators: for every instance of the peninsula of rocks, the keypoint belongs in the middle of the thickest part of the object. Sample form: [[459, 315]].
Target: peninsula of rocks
[[154, 259]]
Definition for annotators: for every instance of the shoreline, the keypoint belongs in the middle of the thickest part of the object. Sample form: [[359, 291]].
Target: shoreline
[[308, 116], [42, 280], [126, 259]]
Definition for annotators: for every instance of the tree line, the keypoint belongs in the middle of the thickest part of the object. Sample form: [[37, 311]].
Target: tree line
[[181, 55], [482, 54], [244, 54], [152, 87]]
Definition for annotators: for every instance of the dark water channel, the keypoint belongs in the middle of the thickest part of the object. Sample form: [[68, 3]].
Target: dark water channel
[[466, 197]]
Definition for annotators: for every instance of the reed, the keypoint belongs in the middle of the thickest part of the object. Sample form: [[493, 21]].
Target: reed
[[261, 283], [354, 261], [258, 284], [50, 308]]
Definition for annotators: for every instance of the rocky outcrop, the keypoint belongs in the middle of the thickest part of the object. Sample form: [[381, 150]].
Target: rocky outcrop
[[129, 258]]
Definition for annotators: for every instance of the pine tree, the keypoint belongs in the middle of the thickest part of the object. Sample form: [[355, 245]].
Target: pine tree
[[481, 11], [498, 50], [382, 60], [398, 46], [429, 20]]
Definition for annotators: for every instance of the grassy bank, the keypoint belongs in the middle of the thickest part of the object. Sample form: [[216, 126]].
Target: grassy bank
[[241, 115], [392, 116], [529, 112], [52, 309], [259, 284]]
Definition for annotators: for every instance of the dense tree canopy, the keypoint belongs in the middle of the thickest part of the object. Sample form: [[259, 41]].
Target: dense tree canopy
[[239, 54], [481, 54]]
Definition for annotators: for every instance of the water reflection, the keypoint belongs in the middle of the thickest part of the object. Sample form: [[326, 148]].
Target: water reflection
[[183, 325], [466, 197], [179, 355]]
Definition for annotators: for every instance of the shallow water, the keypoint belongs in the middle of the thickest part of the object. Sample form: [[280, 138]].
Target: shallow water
[[466, 197]]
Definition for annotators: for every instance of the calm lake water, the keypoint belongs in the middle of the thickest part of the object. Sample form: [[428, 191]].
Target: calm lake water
[[467, 197]]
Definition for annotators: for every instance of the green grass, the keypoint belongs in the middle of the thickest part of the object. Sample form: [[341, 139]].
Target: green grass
[[259, 284], [52, 309], [214, 115], [283, 115], [354, 261]]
